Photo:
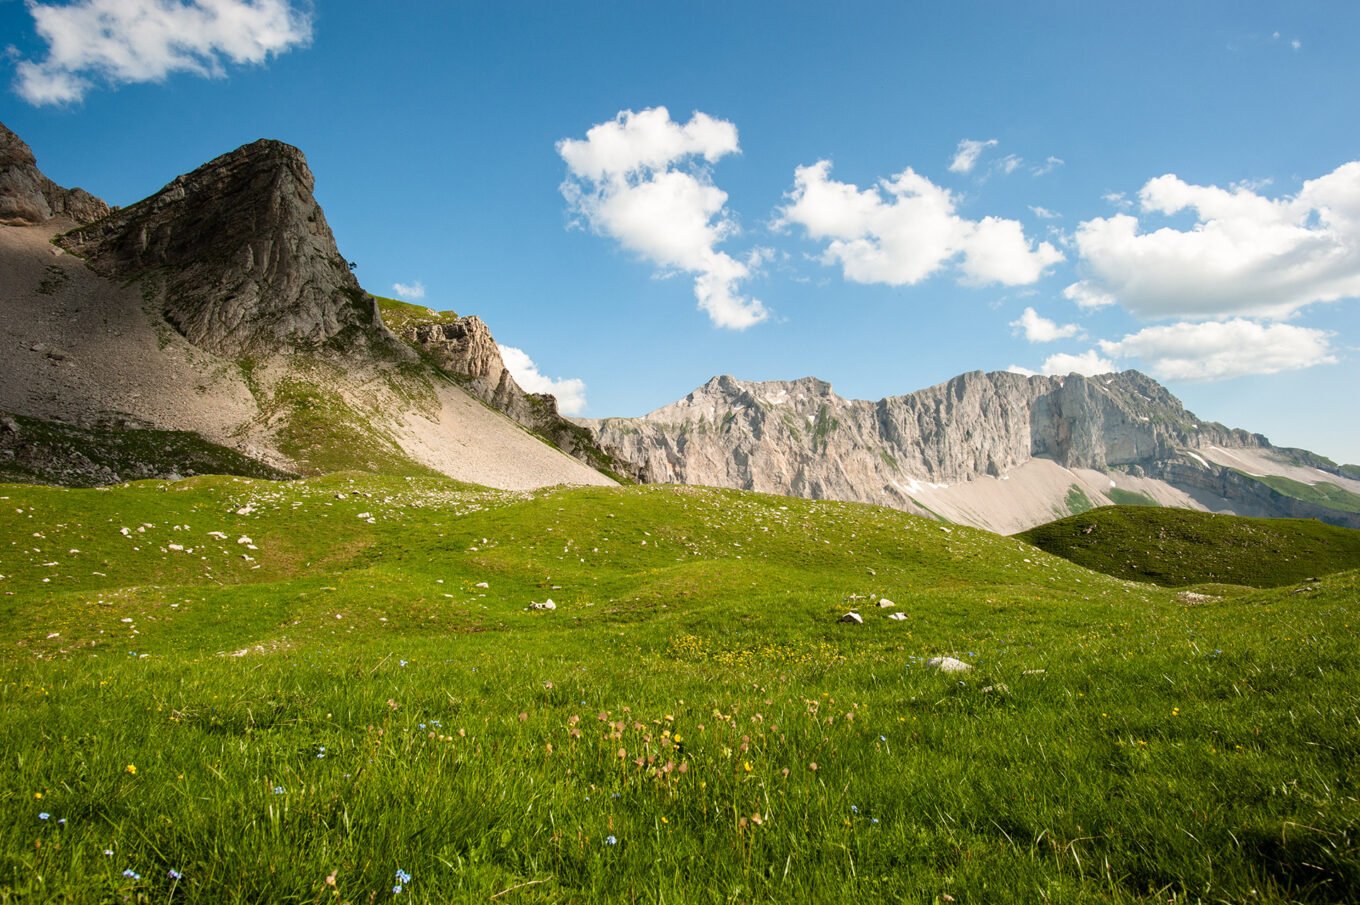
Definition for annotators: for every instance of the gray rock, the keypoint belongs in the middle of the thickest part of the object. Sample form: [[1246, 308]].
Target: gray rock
[[28, 197], [948, 664], [799, 438], [885, 602], [852, 618], [238, 256], [545, 605], [897, 617]]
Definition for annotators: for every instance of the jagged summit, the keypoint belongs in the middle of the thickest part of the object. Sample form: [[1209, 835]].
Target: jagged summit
[[27, 197], [236, 254], [995, 449]]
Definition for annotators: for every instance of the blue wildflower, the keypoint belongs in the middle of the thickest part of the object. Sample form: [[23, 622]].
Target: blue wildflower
[[610, 840], [854, 809], [108, 853], [403, 876], [174, 874], [396, 890], [882, 738], [132, 874], [278, 790]]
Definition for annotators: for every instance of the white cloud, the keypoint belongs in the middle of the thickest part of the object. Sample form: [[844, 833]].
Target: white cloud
[[1218, 350], [1087, 296], [1043, 213], [1118, 199], [570, 391], [1089, 363], [905, 229], [1039, 329], [124, 41], [412, 292], [638, 179], [1050, 164], [966, 157], [1009, 164], [1246, 254], [1296, 44]]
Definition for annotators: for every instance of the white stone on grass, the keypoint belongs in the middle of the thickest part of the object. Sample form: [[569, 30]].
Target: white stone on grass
[[948, 664], [852, 618]]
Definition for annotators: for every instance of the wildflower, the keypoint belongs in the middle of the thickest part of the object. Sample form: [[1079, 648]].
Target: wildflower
[[610, 840], [132, 874], [882, 738], [43, 815], [813, 766], [874, 820], [1175, 711], [278, 790], [854, 809], [396, 890], [401, 662], [174, 874], [131, 769], [37, 796], [403, 876], [108, 853]]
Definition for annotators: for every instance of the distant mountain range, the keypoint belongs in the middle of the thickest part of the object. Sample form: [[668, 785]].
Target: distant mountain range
[[215, 326], [1000, 450]]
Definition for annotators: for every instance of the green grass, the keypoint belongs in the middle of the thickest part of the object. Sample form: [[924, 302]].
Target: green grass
[[337, 698], [1077, 501], [1321, 493], [399, 315], [1130, 498], [1177, 547], [323, 433]]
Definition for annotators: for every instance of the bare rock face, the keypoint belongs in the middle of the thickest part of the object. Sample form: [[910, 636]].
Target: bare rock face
[[465, 348], [799, 438], [27, 197], [237, 255]]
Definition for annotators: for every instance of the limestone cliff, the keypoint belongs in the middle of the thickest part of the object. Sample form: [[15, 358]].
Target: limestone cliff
[[27, 197], [237, 256], [464, 348], [800, 438]]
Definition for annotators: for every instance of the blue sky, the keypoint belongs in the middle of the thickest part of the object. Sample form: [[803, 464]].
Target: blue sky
[[1171, 187]]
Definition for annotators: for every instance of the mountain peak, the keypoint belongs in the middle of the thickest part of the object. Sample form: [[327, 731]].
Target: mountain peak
[[237, 254], [27, 197]]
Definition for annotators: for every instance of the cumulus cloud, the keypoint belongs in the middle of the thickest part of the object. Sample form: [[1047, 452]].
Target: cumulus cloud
[[1038, 329], [966, 157], [1218, 350], [905, 229], [570, 391], [124, 41], [1246, 254], [412, 292], [1087, 296], [644, 181]]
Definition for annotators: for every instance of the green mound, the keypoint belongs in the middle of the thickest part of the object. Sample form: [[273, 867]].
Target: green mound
[[1177, 547], [292, 691]]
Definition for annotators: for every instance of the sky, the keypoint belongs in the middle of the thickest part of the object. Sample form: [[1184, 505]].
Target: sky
[[638, 196]]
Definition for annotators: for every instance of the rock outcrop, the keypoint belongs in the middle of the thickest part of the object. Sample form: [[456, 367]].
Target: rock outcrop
[[464, 348], [27, 197], [237, 256]]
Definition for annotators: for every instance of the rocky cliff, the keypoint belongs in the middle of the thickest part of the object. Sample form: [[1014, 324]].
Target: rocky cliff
[[237, 256], [464, 348], [27, 197], [800, 438]]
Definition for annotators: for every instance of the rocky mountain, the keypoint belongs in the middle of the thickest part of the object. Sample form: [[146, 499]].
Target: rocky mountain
[[217, 320], [27, 197], [465, 348], [236, 255], [997, 450]]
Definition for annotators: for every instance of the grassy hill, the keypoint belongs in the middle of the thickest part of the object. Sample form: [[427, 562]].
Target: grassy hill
[[1177, 547], [224, 689]]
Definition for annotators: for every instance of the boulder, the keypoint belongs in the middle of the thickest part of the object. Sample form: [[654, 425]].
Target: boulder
[[948, 664], [852, 618]]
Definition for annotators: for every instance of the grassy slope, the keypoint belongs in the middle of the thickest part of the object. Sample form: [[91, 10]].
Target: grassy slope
[[1177, 547], [1321, 493], [385, 713]]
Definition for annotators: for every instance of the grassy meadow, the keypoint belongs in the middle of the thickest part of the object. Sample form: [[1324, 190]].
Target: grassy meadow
[[331, 690]]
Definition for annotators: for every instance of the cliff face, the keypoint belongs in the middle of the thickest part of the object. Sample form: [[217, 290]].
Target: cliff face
[[27, 197], [465, 348], [800, 438], [237, 256]]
